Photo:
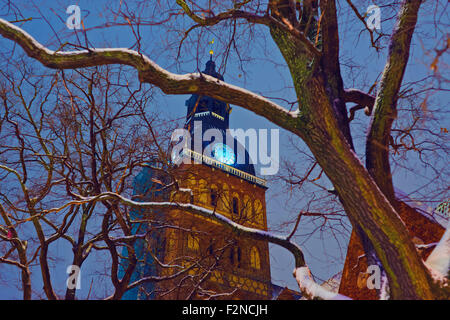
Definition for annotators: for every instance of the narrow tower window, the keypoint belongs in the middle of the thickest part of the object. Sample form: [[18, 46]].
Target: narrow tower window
[[238, 257], [255, 261], [210, 248], [203, 191], [235, 205], [214, 196], [247, 208], [258, 212]]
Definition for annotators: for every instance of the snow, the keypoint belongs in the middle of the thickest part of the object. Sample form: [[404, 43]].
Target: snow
[[311, 289], [186, 190], [439, 260]]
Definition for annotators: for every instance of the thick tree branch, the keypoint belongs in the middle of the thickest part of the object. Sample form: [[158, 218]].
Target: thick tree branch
[[328, 29], [330, 37], [385, 109], [238, 229], [363, 100], [359, 97], [277, 19], [283, 17], [152, 73], [284, 10], [230, 14]]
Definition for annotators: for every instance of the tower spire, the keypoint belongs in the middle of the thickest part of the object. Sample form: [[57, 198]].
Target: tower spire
[[211, 51], [212, 112]]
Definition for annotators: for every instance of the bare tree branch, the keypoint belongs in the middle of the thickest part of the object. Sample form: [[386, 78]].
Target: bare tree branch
[[307, 286], [150, 72]]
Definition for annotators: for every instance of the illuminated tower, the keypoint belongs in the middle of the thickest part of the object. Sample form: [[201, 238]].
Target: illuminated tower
[[220, 263]]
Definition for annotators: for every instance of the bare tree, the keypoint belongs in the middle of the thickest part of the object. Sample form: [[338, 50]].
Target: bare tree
[[66, 135], [307, 35]]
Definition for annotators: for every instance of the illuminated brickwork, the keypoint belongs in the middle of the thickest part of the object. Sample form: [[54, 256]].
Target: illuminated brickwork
[[239, 268], [203, 258], [354, 276]]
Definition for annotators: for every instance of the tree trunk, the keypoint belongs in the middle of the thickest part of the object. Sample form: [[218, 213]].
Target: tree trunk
[[366, 206]]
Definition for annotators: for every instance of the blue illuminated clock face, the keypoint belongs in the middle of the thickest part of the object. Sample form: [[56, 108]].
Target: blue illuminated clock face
[[224, 153]]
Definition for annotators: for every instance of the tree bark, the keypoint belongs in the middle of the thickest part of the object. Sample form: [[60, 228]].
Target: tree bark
[[366, 206], [385, 108]]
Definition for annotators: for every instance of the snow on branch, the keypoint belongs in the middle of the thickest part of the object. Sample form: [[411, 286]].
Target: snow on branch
[[307, 286], [238, 229], [150, 72], [311, 290], [439, 260]]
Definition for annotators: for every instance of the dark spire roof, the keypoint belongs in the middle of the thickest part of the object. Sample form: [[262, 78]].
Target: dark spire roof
[[210, 69], [213, 113]]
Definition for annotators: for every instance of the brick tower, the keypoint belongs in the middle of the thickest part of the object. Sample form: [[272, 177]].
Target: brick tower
[[217, 263]]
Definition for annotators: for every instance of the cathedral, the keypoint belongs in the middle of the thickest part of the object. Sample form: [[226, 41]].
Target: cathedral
[[198, 257]]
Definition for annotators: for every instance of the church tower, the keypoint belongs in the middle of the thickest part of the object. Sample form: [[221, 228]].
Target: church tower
[[217, 264]]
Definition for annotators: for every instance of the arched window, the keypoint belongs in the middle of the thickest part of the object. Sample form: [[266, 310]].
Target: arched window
[[203, 191], [192, 242], [191, 185], [191, 181], [213, 196], [159, 244], [258, 212], [224, 198], [172, 237], [255, 261]]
